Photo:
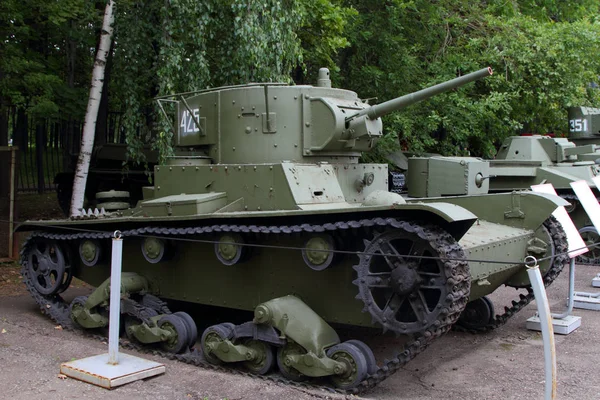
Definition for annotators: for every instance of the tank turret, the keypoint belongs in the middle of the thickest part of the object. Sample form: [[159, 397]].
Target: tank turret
[[584, 125], [273, 122]]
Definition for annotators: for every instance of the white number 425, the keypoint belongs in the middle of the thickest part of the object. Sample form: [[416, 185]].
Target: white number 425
[[187, 124]]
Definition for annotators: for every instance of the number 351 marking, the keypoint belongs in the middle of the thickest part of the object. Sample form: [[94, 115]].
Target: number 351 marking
[[578, 125]]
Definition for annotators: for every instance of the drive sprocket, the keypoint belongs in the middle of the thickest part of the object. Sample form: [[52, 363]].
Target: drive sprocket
[[413, 277]]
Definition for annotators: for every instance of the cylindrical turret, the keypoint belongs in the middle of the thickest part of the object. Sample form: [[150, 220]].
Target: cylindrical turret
[[273, 122], [398, 103]]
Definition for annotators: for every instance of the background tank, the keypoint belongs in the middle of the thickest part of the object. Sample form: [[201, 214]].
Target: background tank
[[584, 125], [529, 160], [106, 173], [275, 215], [521, 161]]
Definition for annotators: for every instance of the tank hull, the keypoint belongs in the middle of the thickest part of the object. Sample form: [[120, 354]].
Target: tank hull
[[275, 266]]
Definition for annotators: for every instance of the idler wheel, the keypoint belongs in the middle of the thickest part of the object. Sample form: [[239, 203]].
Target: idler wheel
[[264, 360], [179, 338], [318, 252], [90, 252], [154, 249], [590, 235], [544, 244], [191, 327], [404, 281], [356, 366], [212, 337], [284, 365], [477, 314], [48, 267], [230, 248]]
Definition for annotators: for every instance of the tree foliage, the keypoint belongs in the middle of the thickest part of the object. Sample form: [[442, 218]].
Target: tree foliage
[[189, 45], [544, 54], [38, 39]]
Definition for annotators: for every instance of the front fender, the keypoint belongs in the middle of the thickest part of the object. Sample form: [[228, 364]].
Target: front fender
[[523, 209]]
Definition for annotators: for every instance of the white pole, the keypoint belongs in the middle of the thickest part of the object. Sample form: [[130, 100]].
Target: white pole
[[570, 298], [115, 299], [89, 125], [541, 300]]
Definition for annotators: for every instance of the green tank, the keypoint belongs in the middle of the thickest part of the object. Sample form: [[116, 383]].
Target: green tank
[[275, 215], [529, 160], [522, 161]]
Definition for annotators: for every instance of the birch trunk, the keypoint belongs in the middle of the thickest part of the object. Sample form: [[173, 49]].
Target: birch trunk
[[89, 125]]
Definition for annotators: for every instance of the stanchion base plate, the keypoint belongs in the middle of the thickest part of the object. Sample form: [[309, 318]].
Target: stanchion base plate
[[562, 326], [586, 302], [97, 371], [596, 281]]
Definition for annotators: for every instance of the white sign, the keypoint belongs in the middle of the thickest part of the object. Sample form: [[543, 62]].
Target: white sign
[[587, 198], [576, 244], [596, 181]]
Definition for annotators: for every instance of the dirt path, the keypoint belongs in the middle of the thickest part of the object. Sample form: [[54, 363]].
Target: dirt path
[[506, 363]]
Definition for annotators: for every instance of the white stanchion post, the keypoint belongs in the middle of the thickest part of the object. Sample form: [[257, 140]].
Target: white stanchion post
[[585, 300], [569, 309], [563, 323], [112, 369], [535, 277], [115, 298]]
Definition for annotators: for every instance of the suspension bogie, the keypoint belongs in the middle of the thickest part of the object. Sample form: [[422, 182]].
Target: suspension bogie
[[145, 318], [305, 345]]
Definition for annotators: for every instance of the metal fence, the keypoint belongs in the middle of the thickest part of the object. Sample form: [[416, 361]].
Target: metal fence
[[8, 164], [50, 146]]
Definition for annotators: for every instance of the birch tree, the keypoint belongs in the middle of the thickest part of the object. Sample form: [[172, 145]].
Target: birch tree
[[89, 126]]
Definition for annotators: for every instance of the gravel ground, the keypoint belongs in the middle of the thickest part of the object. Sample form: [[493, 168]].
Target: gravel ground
[[506, 363]]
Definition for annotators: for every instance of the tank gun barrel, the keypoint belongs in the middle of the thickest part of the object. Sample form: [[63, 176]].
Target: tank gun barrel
[[398, 103]]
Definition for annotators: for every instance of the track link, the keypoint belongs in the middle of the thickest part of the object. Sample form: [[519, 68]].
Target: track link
[[56, 308]]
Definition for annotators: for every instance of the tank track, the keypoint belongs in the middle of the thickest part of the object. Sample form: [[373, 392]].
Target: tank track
[[58, 310], [559, 239], [583, 259]]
